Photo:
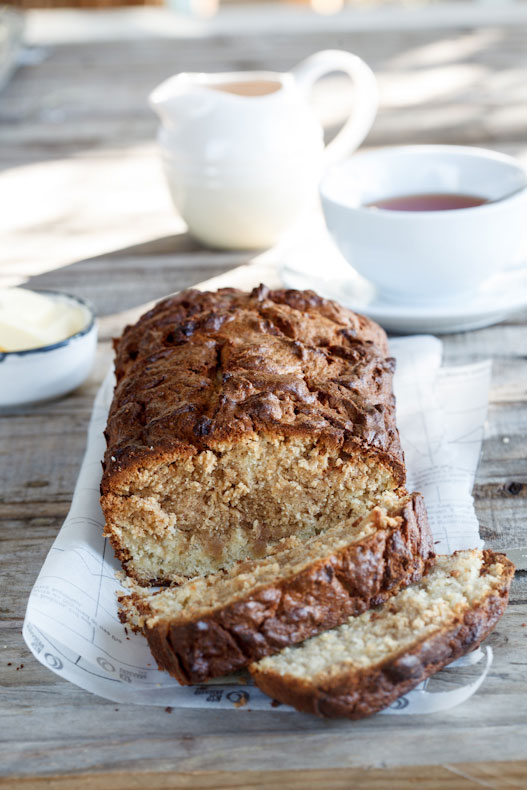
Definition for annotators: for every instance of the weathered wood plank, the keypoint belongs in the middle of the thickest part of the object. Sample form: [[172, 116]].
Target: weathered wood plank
[[461, 776], [113, 284]]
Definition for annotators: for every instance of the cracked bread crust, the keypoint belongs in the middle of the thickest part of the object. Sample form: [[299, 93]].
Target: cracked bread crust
[[202, 369], [357, 693], [267, 617]]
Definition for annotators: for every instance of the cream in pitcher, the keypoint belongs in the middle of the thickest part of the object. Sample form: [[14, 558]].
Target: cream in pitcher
[[243, 152]]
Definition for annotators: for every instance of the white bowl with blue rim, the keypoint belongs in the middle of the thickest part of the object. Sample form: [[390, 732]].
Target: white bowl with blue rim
[[46, 372]]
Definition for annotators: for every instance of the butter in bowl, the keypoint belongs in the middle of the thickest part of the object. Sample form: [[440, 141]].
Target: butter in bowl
[[47, 345]]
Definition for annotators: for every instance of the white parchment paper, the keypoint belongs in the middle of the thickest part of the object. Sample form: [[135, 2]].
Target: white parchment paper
[[71, 624]]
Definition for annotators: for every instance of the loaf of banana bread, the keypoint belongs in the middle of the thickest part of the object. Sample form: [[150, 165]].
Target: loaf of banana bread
[[240, 419]]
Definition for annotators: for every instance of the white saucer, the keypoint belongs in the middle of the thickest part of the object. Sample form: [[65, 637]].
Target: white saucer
[[503, 294]]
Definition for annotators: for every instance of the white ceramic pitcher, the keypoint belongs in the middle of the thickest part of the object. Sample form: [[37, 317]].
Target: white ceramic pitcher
[[243, 151]]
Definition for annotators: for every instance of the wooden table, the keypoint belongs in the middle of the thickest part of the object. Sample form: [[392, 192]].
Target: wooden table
[[88, 212]]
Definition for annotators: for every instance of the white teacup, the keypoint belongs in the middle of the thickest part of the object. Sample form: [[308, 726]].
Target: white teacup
[[426, 256]]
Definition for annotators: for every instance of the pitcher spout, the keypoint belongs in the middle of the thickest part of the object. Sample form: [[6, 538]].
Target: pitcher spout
[[180, 98]]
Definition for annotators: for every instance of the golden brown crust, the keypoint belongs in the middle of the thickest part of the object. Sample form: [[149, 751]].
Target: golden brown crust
[[205, 368], [264, 620], [355, 694]]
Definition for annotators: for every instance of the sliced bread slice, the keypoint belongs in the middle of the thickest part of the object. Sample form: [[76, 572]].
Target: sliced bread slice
[[214, 625], [365, 664]]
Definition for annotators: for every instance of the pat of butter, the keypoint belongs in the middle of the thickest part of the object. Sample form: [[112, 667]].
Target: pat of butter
[[32, 320]]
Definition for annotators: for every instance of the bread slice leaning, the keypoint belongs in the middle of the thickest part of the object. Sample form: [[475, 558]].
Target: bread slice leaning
[[217, 624], [366, 663]]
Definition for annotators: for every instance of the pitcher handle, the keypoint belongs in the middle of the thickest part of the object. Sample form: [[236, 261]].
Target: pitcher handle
[[361, 120]]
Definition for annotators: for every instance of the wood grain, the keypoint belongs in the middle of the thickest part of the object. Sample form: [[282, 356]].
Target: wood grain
[[463, 776], [111, 235]]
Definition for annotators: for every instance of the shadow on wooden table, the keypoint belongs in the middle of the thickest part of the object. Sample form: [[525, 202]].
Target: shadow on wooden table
[[159, 266]]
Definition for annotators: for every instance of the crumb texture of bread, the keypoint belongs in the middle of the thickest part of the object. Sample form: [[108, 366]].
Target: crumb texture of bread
[[215, 625], [364, 664], [239, 420]]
